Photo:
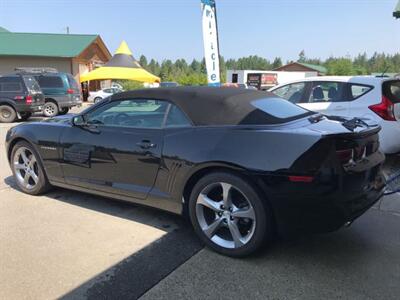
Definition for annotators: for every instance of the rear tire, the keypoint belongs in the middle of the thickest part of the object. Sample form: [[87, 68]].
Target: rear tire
[[229, 215], [7, 114], [50, 109], [97, 99], [25, 116], [64, 111], [28, 169]]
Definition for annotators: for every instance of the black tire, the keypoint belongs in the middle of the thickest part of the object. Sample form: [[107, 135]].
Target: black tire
[[42, 184], [7, 114], [25, 115], [64, 111], [50, 109], [97, 99], [263, 221]]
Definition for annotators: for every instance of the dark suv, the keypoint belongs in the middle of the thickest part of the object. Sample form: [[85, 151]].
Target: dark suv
[[60, 89], [20, 96]]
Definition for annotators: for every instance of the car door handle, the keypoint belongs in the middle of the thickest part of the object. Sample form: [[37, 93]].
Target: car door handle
[[146, 144]]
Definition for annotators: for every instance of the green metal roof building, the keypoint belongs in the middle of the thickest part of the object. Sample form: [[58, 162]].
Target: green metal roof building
[[72, 53], [303, 67]]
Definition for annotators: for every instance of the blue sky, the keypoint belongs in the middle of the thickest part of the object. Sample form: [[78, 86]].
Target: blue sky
[[172, 29]]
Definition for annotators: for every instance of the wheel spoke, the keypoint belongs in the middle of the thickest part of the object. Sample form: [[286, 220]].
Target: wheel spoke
[[244, 213], [207, 202], [32, 161], [24, 157], [236, 236], [19, 166], [26, 178], [226, 187], [34, 177], [211, 229]]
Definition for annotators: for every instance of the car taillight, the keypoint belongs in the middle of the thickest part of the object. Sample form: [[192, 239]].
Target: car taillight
[[306, 179], [385, 109], [28, 99], [345, 155], [70, 91]]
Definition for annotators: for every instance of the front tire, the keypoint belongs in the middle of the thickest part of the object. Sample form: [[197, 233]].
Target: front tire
[[7, 114], [229, 215], [28, 170], [50, 109], [97, 99]]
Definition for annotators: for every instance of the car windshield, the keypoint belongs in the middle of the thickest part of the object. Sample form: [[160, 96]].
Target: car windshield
[[279, 110], [32, 84]]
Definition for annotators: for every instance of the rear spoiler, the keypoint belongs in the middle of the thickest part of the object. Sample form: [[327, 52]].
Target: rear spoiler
[[359, 127]]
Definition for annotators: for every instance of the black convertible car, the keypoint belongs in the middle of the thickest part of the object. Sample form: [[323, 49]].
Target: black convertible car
[[243, 165]]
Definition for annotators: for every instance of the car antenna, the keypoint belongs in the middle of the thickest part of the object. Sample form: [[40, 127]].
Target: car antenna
[[384, 72]]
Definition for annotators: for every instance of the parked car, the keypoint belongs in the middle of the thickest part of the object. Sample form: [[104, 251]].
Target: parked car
[[239, 85], [242, 164], [20, 96], [169, 84], [101, 94], [116, 85], [61, 90], [369, 97]]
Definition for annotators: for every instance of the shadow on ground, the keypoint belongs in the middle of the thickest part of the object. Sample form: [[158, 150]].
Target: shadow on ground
[[133, 276], [362, 260]]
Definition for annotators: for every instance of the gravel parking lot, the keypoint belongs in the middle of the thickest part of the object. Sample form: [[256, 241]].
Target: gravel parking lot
[[72, 245]]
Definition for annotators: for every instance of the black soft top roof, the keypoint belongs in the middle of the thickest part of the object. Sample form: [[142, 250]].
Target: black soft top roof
[[211, 105]]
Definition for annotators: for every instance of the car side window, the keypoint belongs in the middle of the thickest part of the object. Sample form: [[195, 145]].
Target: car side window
[[50, 81], [291, 92], [108, 91], [358, 90], [136, 113], [176, 118], [327, 91], [11, 85]]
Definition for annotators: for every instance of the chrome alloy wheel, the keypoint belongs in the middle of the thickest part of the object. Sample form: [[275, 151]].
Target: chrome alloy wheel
[[49, 110], [225, 215], [26, 168]]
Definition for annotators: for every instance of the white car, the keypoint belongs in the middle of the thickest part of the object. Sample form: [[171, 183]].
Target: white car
[[369, 97], [101, 94]]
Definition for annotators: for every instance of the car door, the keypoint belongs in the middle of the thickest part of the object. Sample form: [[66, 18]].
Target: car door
[[327, 97], [116, 147]]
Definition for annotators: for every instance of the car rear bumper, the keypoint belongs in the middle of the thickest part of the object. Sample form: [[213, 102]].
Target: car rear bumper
[[36, 107], [67, 100], [324, 206], [70, 104]]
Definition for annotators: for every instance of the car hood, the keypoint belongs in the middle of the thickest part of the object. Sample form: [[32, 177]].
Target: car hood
[[65, 119]]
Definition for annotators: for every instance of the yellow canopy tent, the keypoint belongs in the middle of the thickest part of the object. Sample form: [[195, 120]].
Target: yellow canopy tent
[[121, 66]]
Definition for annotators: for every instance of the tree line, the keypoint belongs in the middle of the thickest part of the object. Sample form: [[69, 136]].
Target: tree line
[[194, 72]]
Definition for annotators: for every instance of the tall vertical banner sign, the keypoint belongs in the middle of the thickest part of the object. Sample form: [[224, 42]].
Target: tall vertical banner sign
[[210, 37]]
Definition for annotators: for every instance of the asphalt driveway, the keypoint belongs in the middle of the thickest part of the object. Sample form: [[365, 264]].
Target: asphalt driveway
[[72, 245]]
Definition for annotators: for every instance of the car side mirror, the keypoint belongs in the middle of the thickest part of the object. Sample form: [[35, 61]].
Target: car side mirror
[[78, 121]]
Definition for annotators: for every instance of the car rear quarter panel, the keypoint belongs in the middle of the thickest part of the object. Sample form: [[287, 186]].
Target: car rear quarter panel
[[187, 151]]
